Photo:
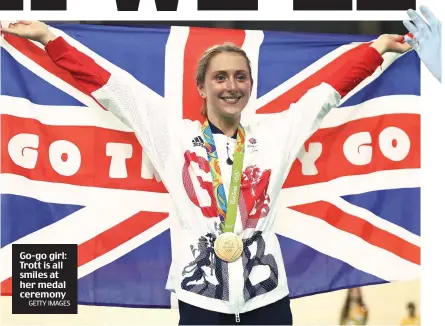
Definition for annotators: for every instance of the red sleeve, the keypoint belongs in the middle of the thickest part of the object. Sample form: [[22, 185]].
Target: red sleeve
[[84, 69], [355, 71]]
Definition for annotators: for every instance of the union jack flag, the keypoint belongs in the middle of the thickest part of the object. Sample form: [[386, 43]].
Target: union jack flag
[[73, 173]]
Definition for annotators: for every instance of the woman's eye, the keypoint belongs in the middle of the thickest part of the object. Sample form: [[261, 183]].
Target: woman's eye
[[241, 77], [220, 77]]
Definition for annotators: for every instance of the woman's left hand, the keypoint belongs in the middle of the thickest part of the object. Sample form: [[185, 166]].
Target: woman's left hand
[[391, 43]]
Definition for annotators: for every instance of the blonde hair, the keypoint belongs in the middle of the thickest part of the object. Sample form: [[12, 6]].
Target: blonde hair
[[209, 54]]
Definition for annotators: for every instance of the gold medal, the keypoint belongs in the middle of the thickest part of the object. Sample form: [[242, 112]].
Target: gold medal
[[228, 246]]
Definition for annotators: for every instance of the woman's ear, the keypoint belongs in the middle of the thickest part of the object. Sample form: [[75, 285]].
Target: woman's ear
[[201, 91]]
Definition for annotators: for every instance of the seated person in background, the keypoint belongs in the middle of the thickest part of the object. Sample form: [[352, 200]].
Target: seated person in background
[[354, 310], [412, 318]]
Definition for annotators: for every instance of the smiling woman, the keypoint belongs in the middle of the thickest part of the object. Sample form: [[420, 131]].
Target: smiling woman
[[224, 81]]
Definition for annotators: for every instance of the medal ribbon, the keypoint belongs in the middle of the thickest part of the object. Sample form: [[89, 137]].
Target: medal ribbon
[[226, 210]]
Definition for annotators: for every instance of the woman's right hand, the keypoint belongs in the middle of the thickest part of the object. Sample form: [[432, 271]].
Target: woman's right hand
[[32, 30]]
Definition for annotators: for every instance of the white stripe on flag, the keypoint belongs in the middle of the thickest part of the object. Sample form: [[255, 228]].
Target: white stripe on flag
[[174, 67], [61, 193], [349, 185], [375, 220], [85, 116], [252, 44], [53, 115]]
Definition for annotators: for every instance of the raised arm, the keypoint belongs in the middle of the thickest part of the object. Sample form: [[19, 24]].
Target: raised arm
[[117, 91], [304, 116], [367, 59]]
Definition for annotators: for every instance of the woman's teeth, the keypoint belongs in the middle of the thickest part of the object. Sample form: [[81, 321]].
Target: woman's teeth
[[230, 100]]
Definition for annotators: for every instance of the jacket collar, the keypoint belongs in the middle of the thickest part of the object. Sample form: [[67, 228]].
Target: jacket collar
[[215, 130]]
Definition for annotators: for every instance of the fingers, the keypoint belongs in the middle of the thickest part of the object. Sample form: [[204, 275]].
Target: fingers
[[401, 47], [404, 47], [412, 43], [396, 43], [6, 23], [398, 38], [25, 22], [10, 27], [428, 14], [8, 30], [421, 25], [411, 28]]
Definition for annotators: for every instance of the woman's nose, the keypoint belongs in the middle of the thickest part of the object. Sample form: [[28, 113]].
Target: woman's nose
[[231, 84]]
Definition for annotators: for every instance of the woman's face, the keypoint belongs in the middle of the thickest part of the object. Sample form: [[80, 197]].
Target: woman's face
[[227, 85]]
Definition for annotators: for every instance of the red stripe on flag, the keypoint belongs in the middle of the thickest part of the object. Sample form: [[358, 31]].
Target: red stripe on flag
[[6, 287], [94, 168], [107, 240], [333, 163], [361, 228], [325, 74], [199, 40]]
